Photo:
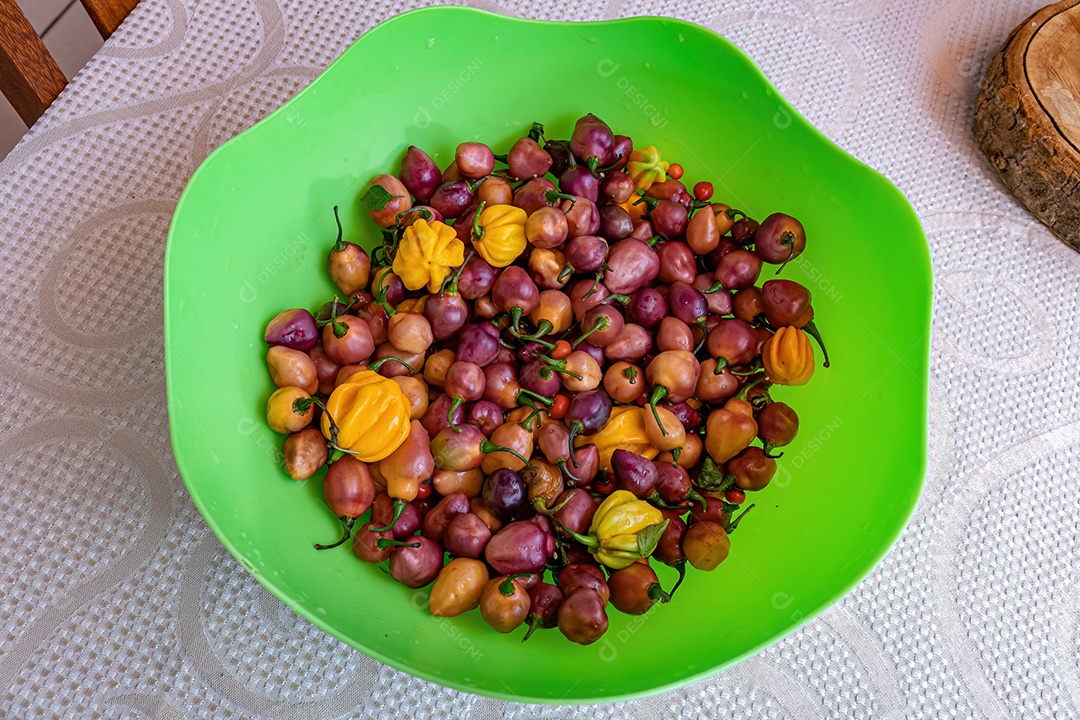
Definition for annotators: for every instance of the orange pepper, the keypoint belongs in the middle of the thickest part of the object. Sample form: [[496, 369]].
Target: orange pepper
[[788, 357]]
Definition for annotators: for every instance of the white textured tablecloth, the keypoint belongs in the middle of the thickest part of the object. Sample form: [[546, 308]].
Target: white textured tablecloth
[[116, 601]]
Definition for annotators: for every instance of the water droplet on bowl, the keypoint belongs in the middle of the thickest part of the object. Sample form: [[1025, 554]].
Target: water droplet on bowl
[[430, 44], [681, 38], [648, 65]]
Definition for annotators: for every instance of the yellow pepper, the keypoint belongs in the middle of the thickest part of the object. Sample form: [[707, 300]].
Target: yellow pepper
[[788, 357], [371, 413], [624, 429], [280, 415], [624, 529], [646, 167], [499, 234], [426, 253]]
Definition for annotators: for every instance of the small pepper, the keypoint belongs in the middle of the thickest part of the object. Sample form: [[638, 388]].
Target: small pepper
[[409, 465], [788, 357], [731, 428], [499, 234], [371, 415], [646, 168], [623, 530], [426, 253], [624, 429]]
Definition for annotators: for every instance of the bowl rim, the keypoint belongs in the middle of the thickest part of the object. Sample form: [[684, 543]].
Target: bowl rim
[[323, 624]]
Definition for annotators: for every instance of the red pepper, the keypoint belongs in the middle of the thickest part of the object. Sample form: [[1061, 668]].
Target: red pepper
[[559, 407]]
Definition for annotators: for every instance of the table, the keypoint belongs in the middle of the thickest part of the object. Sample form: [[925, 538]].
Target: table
[[116, 601]]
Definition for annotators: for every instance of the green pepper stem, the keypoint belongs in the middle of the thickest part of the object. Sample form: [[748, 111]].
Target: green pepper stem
[[576, 426], [750, 386], [586, 540], [536, 132], [455, 403], [535, 396], [339, 244], [515, 318], [566, 272], [680, 567], [422, 211], [380, 298], [601, 323], [623, 300], [574, 480], [452, 286], [540, 505], [506, 587], [736, 520], [487, 447], [527, 423], [788, 239], [768, 447], [374, 367], [399, 507], [502, 158], [552, 197], [542, 329], [301, 405], [558, 366], [694, 495], [337, 310], [383, 543], [657, 593], [811, 329], [595, 285], [534, 622], [614, 163], [593, 163], [659, 393], [477, 228], [657, 501], [714, 288], [347, 524]]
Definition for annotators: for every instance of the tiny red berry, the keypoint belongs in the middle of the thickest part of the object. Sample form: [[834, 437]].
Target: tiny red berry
[[703, 190], [735, 496], [675, 171]]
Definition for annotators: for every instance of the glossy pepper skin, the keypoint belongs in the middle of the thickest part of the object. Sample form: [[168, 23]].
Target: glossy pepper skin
[[788, 357], [730, 429], [426, 254], [409, 465], [371, 413], [624, 529], [624, 429], [646, 168], [499, 234]]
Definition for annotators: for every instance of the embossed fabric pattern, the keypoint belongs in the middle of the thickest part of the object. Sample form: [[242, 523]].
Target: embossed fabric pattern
[[116, 601]]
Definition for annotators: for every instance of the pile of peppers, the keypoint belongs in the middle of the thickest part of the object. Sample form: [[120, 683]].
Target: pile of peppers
[[554, 372]]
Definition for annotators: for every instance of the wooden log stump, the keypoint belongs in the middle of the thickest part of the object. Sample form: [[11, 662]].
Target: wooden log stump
[[1027, 118]]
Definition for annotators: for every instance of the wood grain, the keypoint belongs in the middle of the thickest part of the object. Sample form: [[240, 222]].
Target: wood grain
[[108, 14], [1027, 117], [29, 77]]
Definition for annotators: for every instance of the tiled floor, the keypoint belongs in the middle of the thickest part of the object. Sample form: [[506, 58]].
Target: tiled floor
[[69, 36]]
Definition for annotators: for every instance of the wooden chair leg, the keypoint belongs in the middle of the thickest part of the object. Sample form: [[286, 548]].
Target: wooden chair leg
[[108, 14], [29, 76]]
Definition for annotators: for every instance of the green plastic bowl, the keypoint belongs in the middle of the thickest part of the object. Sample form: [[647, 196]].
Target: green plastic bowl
[[250, 238]]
